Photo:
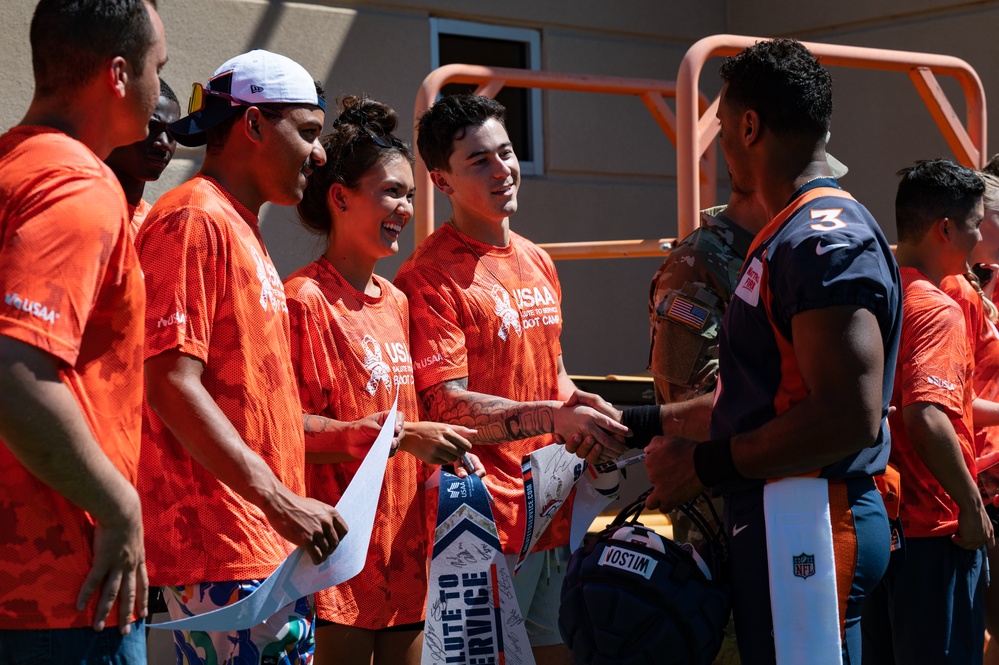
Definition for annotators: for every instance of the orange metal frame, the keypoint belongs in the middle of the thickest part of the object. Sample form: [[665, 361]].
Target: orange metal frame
[[697, 128], [693, 129], [491, 80]]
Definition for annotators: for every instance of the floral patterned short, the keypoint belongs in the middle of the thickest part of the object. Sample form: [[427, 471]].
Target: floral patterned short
[[286, 638]]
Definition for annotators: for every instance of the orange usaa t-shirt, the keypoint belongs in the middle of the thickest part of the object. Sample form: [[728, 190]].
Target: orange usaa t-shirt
[[492, 314], [935, 365], [985, 338], [215, 295], [72, 287], [352, 355]]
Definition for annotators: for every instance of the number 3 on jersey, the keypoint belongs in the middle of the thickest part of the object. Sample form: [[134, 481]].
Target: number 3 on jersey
[[829, 219]]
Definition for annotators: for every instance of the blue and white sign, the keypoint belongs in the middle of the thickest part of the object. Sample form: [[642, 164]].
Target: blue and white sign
[[472, 612]]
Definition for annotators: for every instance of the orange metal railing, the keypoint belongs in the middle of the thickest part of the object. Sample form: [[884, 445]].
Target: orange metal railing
[[693, 129], [491, 80], [697, 129]]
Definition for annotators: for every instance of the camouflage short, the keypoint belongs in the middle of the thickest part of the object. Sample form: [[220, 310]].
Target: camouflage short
[[286, 638]]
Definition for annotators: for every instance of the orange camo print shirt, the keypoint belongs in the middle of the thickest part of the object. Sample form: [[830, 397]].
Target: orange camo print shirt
[[215, 295], [352, 355], [935, 364], [72, 287], [986, 343], [137, 215], [464, 322]]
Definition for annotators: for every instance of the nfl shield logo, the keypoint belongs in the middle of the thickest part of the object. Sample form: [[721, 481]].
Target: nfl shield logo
[[804, 565]]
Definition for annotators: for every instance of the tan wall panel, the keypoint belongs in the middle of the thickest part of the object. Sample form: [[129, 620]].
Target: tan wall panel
[[604, 301], [588, 133], [15, 55], [680, 19], [766, 18]]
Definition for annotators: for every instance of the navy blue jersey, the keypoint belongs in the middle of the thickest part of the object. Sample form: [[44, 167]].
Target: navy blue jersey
[[823, 250]]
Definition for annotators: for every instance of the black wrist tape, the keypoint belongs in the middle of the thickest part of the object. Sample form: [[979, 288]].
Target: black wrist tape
[[644, 422], [713, 463]]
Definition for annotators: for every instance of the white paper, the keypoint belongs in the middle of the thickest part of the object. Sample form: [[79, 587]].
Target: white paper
[[297, 576]]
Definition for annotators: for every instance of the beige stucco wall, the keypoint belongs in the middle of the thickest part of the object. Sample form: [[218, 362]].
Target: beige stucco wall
[[609, 172]]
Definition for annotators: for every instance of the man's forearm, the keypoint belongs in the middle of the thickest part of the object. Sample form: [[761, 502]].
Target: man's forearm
[[690, 419], [325, 439], [985, 413], [43, 427], [840, 411], [933, 438], [496, 419], [180, 400], [810, 435]]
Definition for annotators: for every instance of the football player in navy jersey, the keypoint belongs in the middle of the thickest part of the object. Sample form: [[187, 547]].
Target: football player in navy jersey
[[807, 355]]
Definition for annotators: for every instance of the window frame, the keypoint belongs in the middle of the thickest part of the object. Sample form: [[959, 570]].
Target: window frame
[[532, 38]]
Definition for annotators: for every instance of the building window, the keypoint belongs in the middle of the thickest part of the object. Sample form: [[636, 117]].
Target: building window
[[495, 46]]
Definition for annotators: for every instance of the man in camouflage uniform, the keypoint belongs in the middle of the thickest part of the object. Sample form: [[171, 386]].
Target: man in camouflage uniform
[[699, 275], [695, 284]]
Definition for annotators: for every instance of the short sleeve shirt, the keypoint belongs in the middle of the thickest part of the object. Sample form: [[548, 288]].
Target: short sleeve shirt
[[71, 287], [215, 295], [352, 355], [823, 250], [687, 298], [936, 361], [492, 314], [137, 215]]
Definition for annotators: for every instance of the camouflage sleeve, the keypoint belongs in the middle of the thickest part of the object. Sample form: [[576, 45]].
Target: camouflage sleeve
[[688, 297]]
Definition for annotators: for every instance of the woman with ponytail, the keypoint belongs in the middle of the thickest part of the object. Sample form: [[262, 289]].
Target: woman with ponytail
[[350, 341]]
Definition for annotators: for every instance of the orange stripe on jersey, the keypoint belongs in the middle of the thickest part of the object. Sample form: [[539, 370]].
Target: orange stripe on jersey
[[792, 388], [845, 549]]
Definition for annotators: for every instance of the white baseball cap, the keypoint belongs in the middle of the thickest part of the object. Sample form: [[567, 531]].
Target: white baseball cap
[[256, 77]]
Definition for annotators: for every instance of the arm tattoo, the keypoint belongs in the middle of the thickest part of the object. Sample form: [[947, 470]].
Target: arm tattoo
[[316, 424], [497, 419]]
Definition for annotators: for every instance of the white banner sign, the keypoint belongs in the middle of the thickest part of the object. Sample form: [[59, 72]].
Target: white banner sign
[[472, 612]]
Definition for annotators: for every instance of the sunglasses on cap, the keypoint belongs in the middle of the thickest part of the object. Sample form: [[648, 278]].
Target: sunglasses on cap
[[200, 95]]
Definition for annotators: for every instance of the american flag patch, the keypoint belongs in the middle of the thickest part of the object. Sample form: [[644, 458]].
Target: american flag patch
[[685, 311]]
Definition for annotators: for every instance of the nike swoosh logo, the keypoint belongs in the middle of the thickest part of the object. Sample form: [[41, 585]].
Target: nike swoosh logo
[[821, 249], [736, 530]]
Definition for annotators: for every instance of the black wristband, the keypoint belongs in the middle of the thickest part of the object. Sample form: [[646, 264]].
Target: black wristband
[[644, 422], [713, 463]]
